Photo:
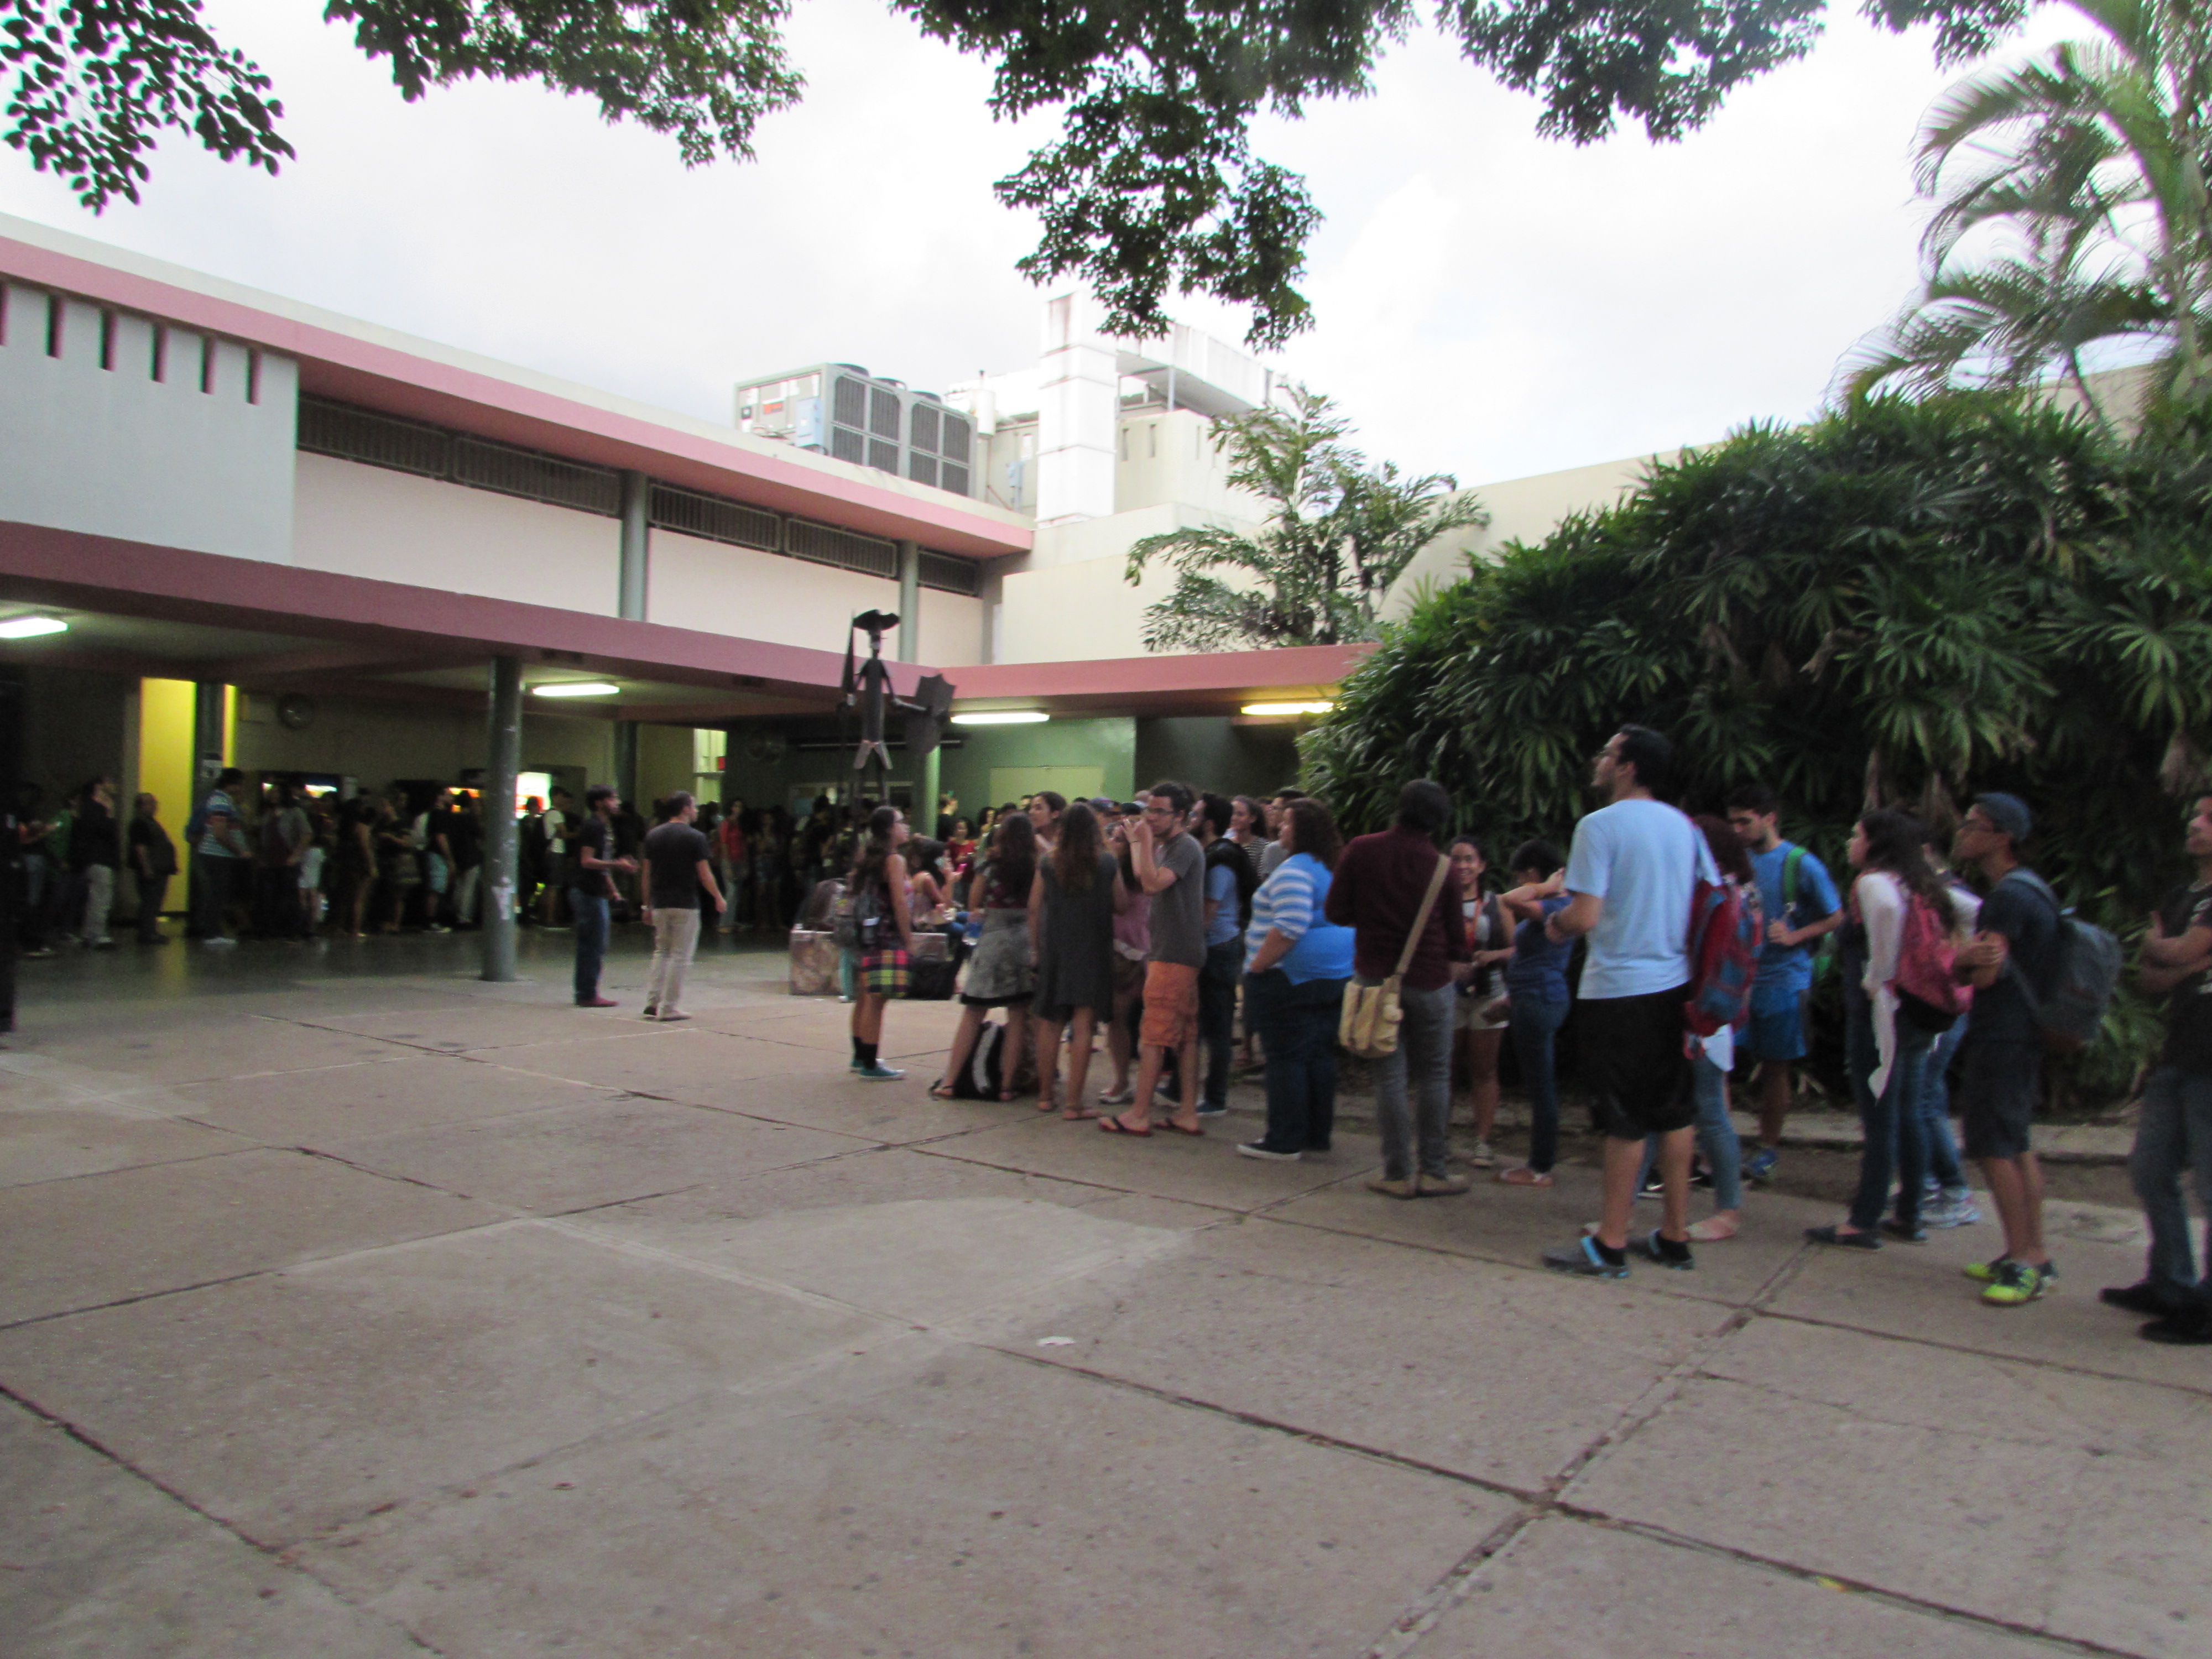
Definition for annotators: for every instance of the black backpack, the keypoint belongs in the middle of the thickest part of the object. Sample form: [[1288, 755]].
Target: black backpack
[[983, 1076]]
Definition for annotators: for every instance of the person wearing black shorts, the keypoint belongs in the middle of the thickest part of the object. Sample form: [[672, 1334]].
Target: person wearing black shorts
[[1631, 878]]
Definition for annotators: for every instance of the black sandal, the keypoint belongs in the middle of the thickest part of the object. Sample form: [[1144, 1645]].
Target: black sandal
[[1842, 1240]]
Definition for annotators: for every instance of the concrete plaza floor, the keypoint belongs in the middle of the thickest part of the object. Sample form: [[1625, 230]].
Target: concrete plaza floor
[[354, 1308]]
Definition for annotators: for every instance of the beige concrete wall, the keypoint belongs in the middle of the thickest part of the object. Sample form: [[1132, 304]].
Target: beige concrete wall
[[371, 521], [1169, 457], [1521, 509], [664, 762], [722, 589], [951, 629], [1072, 604]]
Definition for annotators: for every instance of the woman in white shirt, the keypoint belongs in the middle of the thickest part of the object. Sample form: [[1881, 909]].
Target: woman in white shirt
[[1889, 850]]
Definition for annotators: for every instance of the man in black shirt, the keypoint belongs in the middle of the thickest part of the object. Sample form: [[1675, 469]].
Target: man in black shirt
[[2174, 1129], [590, 868], [94, 851], [2013, 963], [679, 865], [153, 860]]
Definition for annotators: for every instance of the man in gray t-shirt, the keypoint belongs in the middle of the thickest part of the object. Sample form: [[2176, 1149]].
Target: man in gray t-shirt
[[1171, 867]]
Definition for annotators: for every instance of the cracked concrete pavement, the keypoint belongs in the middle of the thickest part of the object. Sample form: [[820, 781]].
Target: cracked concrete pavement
[[352, 1306]]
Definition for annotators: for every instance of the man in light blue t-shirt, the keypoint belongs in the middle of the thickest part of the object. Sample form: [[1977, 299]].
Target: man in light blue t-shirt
[[1631, 879], [1798, 899]]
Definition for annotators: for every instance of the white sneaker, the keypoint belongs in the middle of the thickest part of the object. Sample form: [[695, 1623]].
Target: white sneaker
[[1482, 1157], [219, 938], [1124, 1095]]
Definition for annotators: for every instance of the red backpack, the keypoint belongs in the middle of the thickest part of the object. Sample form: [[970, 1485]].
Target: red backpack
[[1929, 995], [1724, 930]]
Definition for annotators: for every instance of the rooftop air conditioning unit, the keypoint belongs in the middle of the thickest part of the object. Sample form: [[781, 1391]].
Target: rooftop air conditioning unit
[[841, 411]]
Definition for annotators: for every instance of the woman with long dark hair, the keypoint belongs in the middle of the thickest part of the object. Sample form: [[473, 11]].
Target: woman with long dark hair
[[1716, 1058], [878, 887], [1073, 899], [1889, 850], [1296, 966], [1002, 973]]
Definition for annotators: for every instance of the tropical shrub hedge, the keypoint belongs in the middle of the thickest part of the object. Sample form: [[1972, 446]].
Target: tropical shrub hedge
[[1904, 602]]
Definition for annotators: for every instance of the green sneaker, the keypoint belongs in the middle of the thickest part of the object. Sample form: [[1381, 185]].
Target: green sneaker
[[2019, 1283], [1987, 1272]]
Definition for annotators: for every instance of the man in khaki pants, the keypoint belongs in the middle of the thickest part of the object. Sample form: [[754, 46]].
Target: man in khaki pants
[[678, 868]]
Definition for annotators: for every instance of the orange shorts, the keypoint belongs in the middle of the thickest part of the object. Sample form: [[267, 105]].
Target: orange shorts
[[1170, 1005]]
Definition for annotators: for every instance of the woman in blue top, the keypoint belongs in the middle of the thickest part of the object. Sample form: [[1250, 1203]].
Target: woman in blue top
[[1536, 983], [1295, 969]]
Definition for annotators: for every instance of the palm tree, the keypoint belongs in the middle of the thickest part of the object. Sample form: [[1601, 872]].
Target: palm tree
[[1340, 532], [2087, 165]]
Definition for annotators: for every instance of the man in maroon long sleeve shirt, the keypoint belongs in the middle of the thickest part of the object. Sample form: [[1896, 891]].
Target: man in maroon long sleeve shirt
[[1377, 891]]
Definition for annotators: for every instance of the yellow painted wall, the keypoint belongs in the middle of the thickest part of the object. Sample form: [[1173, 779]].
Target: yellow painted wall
[[165, 748]]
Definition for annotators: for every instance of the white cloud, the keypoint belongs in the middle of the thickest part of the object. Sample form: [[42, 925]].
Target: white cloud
[[1490, 304]]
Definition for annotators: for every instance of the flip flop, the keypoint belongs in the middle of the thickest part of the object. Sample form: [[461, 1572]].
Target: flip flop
[[940, 1090], [1113, 1125]]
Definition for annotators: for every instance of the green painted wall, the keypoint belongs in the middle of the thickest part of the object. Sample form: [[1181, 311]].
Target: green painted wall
[[1210, 751], [1109, 744]]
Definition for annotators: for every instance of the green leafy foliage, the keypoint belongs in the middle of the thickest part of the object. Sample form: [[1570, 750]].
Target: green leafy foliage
[[1902, 604], [1151, 186], [1340, 531], [2072, 215]]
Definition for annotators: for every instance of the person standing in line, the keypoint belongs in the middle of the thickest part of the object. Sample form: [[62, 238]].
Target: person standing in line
[[1381, 885], [559, 870], [286, 833], [1073, 899], [591, 890], [1950, 1201], [1046, 809], [154, 861], [465, 843], [1278, 804], [737, 879], [94, 851], [2013, 964], [1631, 878], [2173, 1132], [679, 867], [1133, 946], [1295, 973], [220, 857], [1479, 1012], [1171, 869], [1537, 987], [887, 945], [1248, 830], [1798, 898], [1229, 888], [948, 815], [1002, 971], [1886, 849]]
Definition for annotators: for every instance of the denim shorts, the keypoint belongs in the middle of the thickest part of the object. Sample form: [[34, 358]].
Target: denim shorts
[[1775, 1031], [1997, 1086]]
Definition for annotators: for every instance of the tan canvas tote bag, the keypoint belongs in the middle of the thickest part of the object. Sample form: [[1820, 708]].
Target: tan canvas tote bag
[[1369, 1027]]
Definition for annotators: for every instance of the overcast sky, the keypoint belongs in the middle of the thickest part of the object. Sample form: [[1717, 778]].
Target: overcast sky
[[1490, 304]]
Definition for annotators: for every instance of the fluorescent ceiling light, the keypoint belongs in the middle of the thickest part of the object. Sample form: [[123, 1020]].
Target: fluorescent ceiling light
[[575, 689], [1002, 717], [1288, 707], [30, 628]]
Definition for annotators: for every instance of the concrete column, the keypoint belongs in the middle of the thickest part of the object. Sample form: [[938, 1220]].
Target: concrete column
[[909, 639], [626, 760], [503, 759], [932, 785], [636, 545]]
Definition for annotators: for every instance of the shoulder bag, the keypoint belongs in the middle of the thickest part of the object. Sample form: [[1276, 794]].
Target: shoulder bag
[[1368, 1026]]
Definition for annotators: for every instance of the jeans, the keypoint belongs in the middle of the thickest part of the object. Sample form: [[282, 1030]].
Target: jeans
[[1717, 1136], [1297, 1023], [98, 902], [1217, 1018], [675, 937], [2173, 1132], [1534, 1025], [1895, 1148], [590, 912], [1423, 1055], [1936, 1109], [151, 891], [216, 878]]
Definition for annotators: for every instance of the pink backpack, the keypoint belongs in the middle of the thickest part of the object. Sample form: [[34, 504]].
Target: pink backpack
[[1929, 995]]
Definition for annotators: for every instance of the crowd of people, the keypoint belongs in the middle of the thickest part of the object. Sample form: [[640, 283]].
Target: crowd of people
[[1187, 928], [1160, 920]]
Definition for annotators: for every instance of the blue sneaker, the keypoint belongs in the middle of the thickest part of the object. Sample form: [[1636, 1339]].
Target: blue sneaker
[[1581, 1259], [1760, 1166], [878, 1072]]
